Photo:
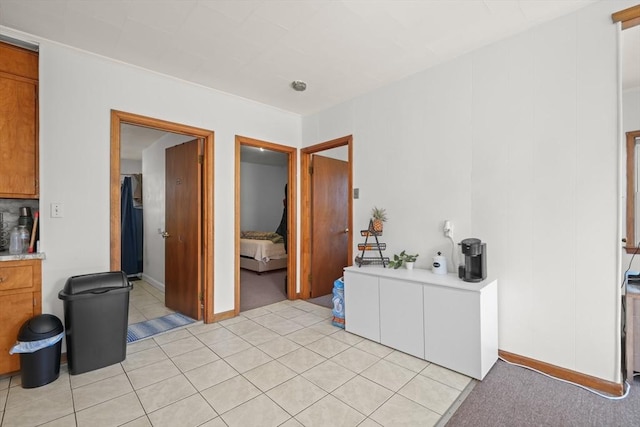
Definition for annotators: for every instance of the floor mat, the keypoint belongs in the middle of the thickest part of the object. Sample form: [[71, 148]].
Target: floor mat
[[138, 331]]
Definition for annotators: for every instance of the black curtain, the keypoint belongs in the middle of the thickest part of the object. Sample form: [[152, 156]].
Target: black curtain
[[131, 231], [282, 228]]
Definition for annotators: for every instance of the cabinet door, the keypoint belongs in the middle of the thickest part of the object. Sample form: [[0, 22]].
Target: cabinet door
[[14, 311], [633, 333], [362, 305], [401, 316], [452, 329], [18, 142]]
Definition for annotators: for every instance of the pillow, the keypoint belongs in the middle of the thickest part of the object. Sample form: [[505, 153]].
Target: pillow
[[262, 235]]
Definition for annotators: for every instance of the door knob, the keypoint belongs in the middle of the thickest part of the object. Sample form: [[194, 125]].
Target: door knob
[[164, 234], [346, 230]]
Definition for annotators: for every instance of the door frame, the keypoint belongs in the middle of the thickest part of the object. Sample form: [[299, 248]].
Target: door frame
[[120, 117], [306, 212], [292, 162]]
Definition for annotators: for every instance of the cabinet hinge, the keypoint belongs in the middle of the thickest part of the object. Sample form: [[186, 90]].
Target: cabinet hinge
[[310, 170], [200, 159]]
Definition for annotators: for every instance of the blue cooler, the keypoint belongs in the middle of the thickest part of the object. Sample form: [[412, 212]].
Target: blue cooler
[[338, 303]]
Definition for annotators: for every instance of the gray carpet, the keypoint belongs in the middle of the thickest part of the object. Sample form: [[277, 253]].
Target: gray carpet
[[257, 290], [514, 396], [324, 300]]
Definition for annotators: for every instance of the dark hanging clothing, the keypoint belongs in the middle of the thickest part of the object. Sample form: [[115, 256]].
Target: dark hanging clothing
[[282, 228], [131, 229]]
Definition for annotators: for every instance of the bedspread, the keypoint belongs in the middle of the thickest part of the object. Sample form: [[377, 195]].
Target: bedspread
[[262, 250]]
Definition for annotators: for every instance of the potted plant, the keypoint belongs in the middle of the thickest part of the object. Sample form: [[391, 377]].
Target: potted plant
[[404, 258], [379, 216]]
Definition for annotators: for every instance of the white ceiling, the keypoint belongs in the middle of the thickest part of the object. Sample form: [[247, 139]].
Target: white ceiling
[[256, 48], [134, 139]]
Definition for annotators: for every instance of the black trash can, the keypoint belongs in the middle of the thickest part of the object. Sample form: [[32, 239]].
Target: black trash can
[[96, 312], [42, 366]]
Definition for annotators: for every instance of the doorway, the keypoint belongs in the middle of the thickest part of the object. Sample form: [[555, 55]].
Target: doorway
[[310, 209], [255, 266], [203, 290], [148, 253]]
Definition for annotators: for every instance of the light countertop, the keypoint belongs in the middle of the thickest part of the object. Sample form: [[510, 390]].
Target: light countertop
[[418, 275], [6, 256]]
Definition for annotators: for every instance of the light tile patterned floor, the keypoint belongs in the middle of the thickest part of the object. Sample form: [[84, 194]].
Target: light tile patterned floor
[[279, 365], [146, 302]]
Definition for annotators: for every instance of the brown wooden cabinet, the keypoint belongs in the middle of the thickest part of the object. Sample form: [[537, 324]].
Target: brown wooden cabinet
[[632, 336], [18, 123], [20, 299]]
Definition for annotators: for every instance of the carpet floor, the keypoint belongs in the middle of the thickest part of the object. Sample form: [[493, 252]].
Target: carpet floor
[[323, 301], [514, 396], [258, 290]]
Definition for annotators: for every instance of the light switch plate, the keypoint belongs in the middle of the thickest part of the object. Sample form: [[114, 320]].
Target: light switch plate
[[57, 210]]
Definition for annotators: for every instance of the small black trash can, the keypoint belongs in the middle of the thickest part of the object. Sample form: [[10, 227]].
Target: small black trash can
[[41, 366], [96, 312]]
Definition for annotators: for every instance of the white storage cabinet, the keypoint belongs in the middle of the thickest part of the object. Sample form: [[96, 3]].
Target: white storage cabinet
[[439, 318]]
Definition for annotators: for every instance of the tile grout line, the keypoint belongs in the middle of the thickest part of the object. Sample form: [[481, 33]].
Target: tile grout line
[[279, 331], [330, 393], [198, 392], [146, 414]]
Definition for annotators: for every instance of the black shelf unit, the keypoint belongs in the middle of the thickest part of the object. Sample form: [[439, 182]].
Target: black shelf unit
[[379, 259]]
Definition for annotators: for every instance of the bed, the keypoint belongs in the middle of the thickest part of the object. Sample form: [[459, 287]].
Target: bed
[[262, 251]]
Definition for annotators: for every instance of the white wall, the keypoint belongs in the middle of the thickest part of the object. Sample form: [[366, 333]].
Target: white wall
[[261, 195], [516, 144], [77, 92], [153, 193], [338, 153], [129, 167]]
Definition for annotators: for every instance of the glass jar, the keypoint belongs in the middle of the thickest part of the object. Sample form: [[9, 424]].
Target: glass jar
[[15, 243], [25, 237]]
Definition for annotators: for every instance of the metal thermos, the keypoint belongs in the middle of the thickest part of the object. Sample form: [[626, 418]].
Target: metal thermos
[[26, 218]]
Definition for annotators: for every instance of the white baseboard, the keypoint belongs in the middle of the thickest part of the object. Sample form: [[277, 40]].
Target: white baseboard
[[153, 282]]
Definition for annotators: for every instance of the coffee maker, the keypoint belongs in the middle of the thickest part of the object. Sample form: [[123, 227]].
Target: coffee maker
[[474, 268]]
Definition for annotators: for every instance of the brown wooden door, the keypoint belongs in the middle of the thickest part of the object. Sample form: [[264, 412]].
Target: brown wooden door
[[329, 222], [183, 225]]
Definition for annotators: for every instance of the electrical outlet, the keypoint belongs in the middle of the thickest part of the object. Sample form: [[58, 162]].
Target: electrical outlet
[[447, 228], [57, 210]]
